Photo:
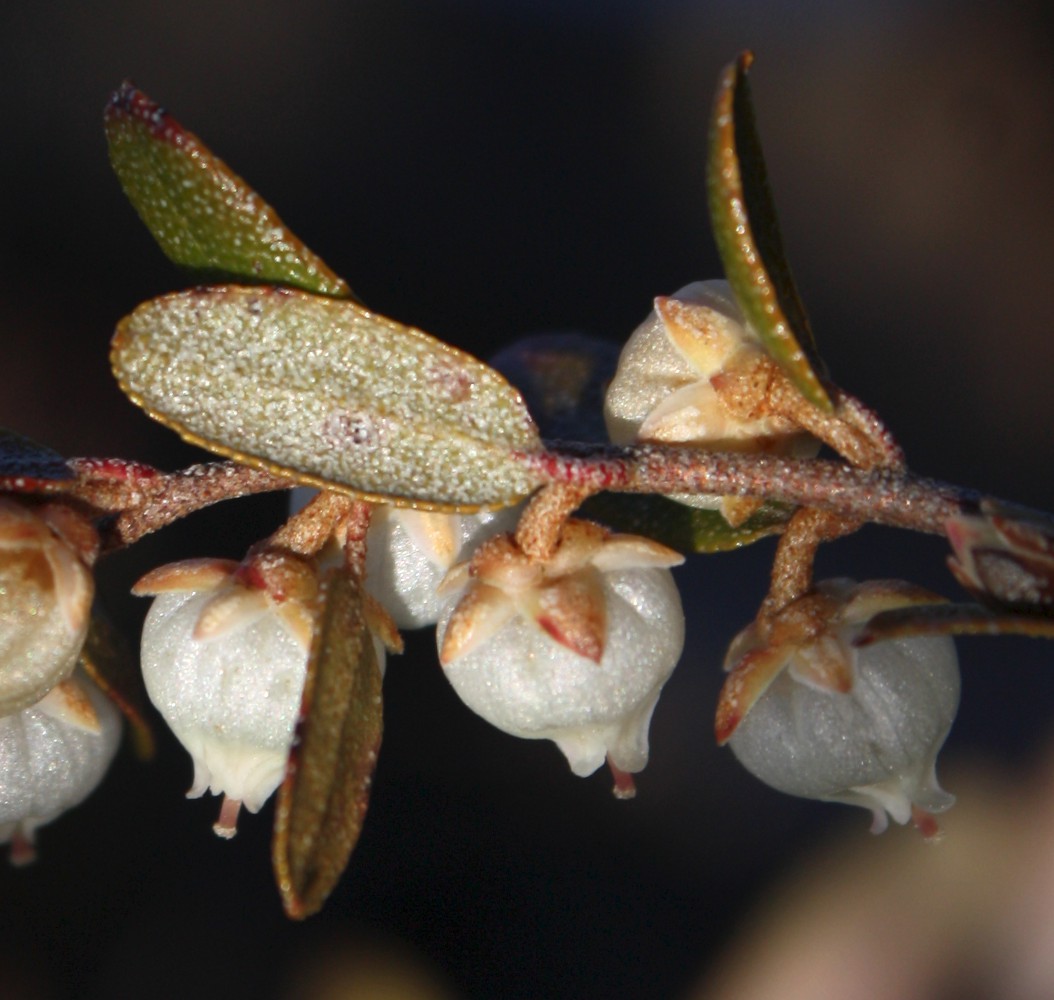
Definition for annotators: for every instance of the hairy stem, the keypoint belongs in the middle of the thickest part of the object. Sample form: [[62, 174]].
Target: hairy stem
[[882, 495]]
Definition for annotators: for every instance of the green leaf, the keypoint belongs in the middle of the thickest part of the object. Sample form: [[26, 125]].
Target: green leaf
[[329, 393], [322, 802], [687, 529], [743, 217], [202, 214]]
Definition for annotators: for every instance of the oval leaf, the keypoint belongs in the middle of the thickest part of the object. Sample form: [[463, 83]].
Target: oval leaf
[[202, 214], [684, 528], [322, 802], [329, 393], [743, 217]]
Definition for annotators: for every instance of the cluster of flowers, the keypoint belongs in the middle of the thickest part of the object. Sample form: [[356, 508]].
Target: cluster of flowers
[[573, 645], [58, 732]]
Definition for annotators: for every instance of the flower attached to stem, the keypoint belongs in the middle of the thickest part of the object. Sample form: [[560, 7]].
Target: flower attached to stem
[[224, 654], [811, 714], [574, 648], [52, 756], [46, 590], [669, 386]]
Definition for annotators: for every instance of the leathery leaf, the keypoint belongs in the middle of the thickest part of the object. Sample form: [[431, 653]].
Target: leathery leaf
[[203, 215], [329, 393], [743, 217], [322, 802]]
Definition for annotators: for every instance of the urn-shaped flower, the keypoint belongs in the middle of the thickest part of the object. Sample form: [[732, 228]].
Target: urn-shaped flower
[[46, 594], [664, 389], [574, 649], [811, 714], [224, 654], [52, 756]]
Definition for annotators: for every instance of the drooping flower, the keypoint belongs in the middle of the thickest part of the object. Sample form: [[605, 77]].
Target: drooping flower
[[663, 390], [811, 714], [46, 591], [409, 552], [574, 649], [52, 756], [224, 655]]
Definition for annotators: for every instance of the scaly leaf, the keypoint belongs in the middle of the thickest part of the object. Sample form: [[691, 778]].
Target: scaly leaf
[[325, 391], [743, 217], [322, 802], [202, 214]]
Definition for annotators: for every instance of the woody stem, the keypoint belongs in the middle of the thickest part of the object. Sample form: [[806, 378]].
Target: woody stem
[[881, 496]]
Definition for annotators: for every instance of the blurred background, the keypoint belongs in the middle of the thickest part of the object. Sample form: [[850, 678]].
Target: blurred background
[[485, 170]]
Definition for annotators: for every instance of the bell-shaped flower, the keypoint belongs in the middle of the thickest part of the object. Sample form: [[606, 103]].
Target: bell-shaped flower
[[224, 655], [46, 591], [663, 390], [52, 756], [409, 552], [811, 714], [574, 649]]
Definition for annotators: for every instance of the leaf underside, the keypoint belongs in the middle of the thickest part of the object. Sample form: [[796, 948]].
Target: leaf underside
[[324, 391], [743, 218], [203, 215], [322, 802]]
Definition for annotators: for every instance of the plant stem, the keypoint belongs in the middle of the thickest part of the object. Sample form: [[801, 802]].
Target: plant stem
[[882, 496]]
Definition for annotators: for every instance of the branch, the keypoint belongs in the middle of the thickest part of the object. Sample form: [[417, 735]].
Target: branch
[[882, 496]]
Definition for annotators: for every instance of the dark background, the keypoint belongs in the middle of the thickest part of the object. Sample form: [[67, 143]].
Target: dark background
[[486, 170]]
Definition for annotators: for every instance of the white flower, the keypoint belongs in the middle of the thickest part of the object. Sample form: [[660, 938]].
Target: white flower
[[662, 390], [408, 552], [828, 720], [46, 593], [575, 649], [52, 756], [224, 658]]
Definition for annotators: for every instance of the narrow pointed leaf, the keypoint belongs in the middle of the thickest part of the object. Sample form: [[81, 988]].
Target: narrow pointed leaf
[[743, 217], [322, 802], [953, 619], [684, 528], [203, 215], [329, 393]]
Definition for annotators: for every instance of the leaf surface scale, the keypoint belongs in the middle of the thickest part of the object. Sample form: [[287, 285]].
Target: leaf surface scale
[[330, 393]]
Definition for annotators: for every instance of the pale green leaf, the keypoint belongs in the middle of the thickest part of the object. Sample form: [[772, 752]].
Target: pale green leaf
[[329, 393]]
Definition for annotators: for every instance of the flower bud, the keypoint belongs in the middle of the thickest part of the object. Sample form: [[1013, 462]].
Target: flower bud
[[846, 724], [662, 391], [574, 649], [46, 593], [224, 656], [52, 756], [408, 552]]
